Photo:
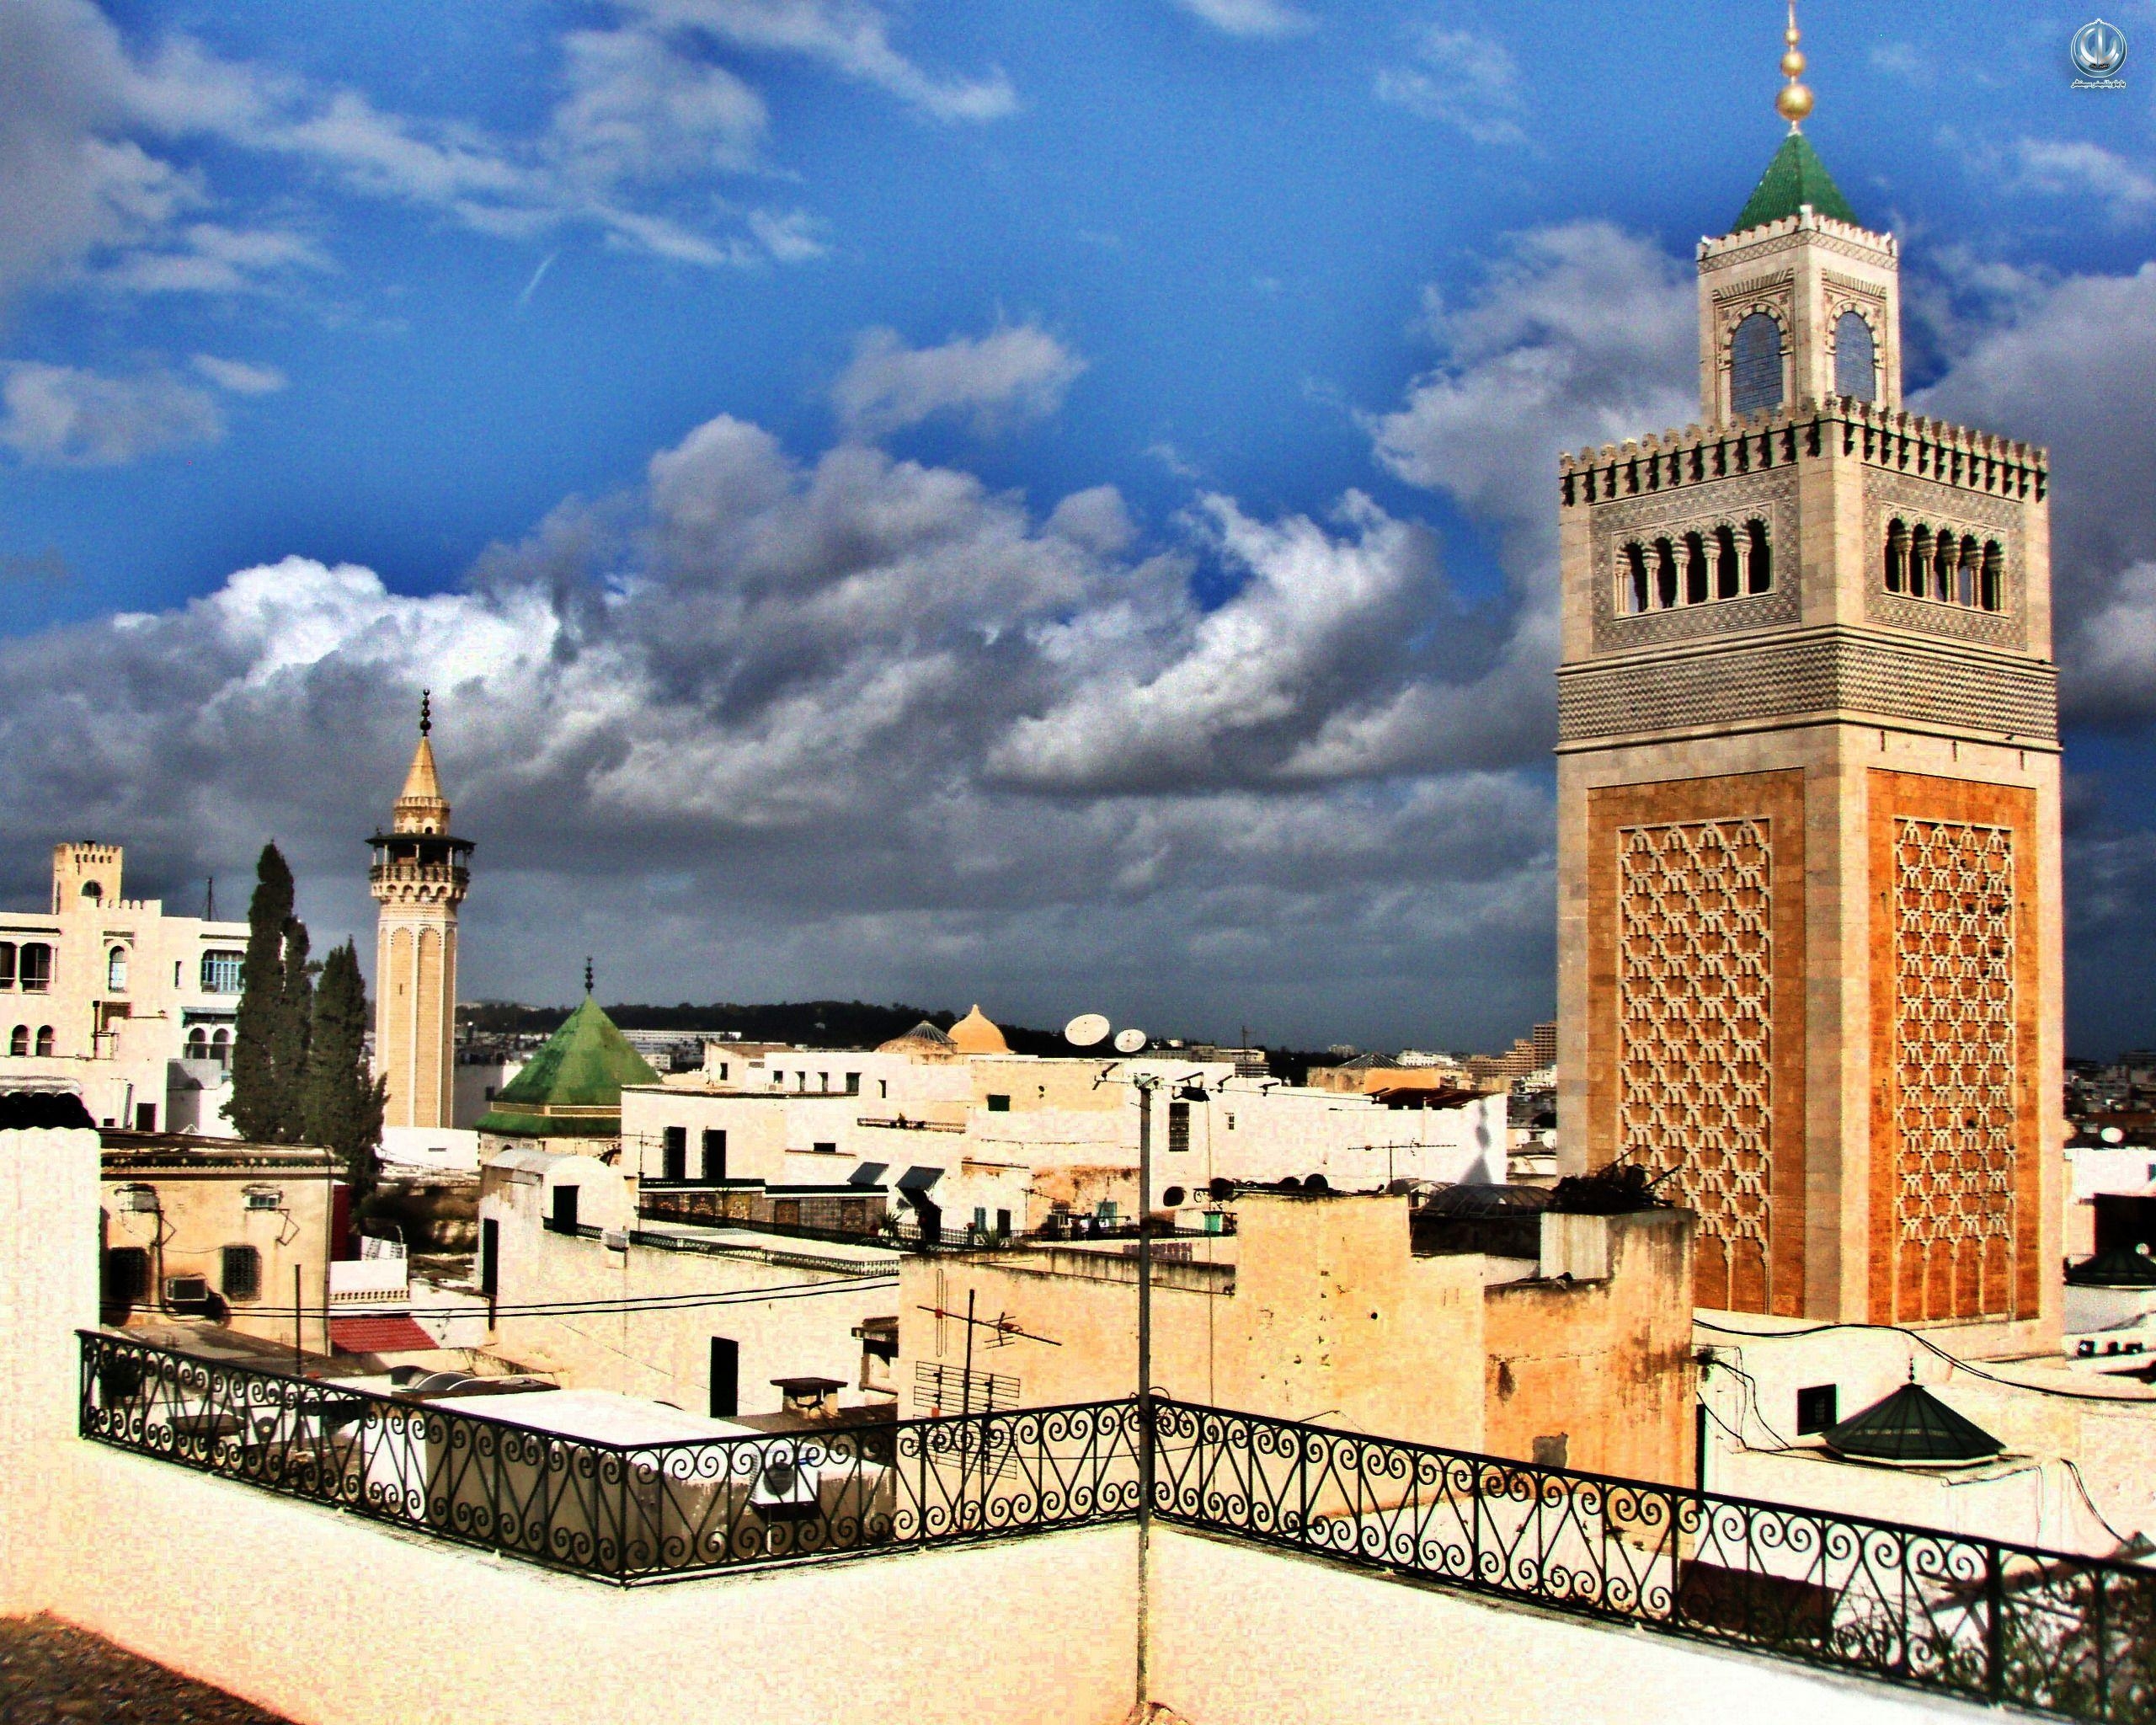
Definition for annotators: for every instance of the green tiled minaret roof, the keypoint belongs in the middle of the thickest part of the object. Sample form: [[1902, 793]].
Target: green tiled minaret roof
[[572, 1087], [1795, 177]]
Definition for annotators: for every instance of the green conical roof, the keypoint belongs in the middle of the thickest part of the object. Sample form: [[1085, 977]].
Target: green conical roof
[[1795, 177], [1914, 1428], [572, 1087]]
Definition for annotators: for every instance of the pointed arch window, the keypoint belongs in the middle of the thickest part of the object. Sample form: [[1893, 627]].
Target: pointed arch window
[[1755, 364], [1759, 574], [1632, 581], [1856, 362], [1697, 577]]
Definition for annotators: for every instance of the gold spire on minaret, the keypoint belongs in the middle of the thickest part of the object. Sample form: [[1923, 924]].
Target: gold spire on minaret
[[1795, 101], [420, 807]]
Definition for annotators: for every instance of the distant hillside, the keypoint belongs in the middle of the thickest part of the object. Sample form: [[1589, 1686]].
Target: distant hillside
[[805, 1023], [808, 1024]]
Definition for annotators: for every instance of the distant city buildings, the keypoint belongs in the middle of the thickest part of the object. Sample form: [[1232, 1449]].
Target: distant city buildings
[[110, 999]]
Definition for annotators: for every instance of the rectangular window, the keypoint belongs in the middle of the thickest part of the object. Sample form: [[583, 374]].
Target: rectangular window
[[999, 1104], [1003, 1224], [221, 972], [725, 1378], [883, 1087], [722, 1071], [823, 1081], [240, 1273], [563, 1221], [146, 1117], [490, 1258], [6, 963], [674, 1159], [714, 1153], [822, 1149], [35, 967], [853, 1084], [1178, 1126], [1816, 1408], [980, 1219]]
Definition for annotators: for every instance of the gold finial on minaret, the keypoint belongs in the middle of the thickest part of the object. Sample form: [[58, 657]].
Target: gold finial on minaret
[[1795, 101]]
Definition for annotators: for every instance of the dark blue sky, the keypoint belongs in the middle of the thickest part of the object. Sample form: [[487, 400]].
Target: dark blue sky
[[722, 368]]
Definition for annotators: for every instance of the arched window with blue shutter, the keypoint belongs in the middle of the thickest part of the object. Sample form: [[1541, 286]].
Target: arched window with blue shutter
[[1755, 364], [1856, 363]]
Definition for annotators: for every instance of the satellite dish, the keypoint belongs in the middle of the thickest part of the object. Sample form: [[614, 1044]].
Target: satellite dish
[[2113, 1136], [1084, 1030], [1130, 1042]]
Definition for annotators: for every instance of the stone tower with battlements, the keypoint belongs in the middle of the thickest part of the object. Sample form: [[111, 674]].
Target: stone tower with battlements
[[419, 878], [1807, 785]]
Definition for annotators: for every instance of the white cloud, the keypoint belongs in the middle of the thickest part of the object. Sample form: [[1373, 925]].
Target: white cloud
[[1011, 376], [2067, 167], [59, 416], [240, 376], [1467, 81], [1251, 18], [851, 36]]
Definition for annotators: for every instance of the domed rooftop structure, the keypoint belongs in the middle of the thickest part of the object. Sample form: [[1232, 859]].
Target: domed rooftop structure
[[1912, 1428], [572, 1087], [924, 1041], [2121, 1267], [975, 1034]]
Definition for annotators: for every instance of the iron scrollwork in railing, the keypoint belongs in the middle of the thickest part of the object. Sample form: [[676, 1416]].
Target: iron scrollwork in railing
[[621, 1513], [1987, 1621], [1976, 1618]]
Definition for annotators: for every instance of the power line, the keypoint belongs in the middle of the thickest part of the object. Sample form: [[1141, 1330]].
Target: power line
[[630, 1303], [1922, 1341]]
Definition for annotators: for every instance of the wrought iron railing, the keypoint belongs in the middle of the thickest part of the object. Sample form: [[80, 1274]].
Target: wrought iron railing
[[619, 1511], [1981, 1619]]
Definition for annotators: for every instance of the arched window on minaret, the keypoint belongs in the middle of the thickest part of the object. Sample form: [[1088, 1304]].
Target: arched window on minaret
[[1632, 581], [1665, 574], [1695, 569], [1897, 555], [1856, 366], [1942, 568], [1729, 575], [1755, 364], [1759, 571], [1919, 563], [1991, 592]]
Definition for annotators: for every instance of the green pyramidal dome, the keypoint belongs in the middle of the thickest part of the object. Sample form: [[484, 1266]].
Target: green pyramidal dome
[[572, 1087], [1795, 177]]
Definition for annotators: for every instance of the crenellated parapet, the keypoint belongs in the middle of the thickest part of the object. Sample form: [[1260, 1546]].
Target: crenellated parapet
[[1890, 438]]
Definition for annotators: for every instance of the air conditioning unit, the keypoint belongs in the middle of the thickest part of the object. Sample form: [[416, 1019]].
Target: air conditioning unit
[[614, 1239], [187, 1290], [264, 1197], [142, 1199]]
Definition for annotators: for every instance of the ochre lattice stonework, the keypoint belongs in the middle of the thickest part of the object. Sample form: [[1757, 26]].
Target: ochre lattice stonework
[[1953, 896], [1695, 987]]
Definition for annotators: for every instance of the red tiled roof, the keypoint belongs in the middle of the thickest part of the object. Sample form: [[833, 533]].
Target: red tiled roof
[[394, 1334]]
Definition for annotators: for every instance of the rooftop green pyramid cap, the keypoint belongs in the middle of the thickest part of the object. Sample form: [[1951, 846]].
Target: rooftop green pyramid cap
[[572, 1087], [1795, 177]]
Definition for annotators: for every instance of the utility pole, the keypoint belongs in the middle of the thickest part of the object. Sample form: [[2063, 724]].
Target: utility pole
[[1147, 1083], [299, 1340]]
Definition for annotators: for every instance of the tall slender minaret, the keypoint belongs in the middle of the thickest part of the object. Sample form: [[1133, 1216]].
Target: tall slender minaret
[[1808, 806], [419, 878]]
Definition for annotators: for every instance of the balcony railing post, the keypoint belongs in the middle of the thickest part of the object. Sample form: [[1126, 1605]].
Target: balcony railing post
[[1994, 1620]]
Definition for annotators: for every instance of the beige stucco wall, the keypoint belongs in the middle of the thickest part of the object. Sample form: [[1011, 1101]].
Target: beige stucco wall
[[666, 1353], [202, 1210], [1244, 1636]]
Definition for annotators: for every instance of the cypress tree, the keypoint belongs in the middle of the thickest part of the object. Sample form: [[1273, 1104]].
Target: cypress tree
[[270, 1034], [344, 1100]]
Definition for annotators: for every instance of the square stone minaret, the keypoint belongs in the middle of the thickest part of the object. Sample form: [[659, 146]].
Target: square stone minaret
[[419, 876], [1807, 787]]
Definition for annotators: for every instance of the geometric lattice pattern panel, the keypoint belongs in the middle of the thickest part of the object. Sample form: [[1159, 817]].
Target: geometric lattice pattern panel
[[1695, 1005], [1954, 1039]]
